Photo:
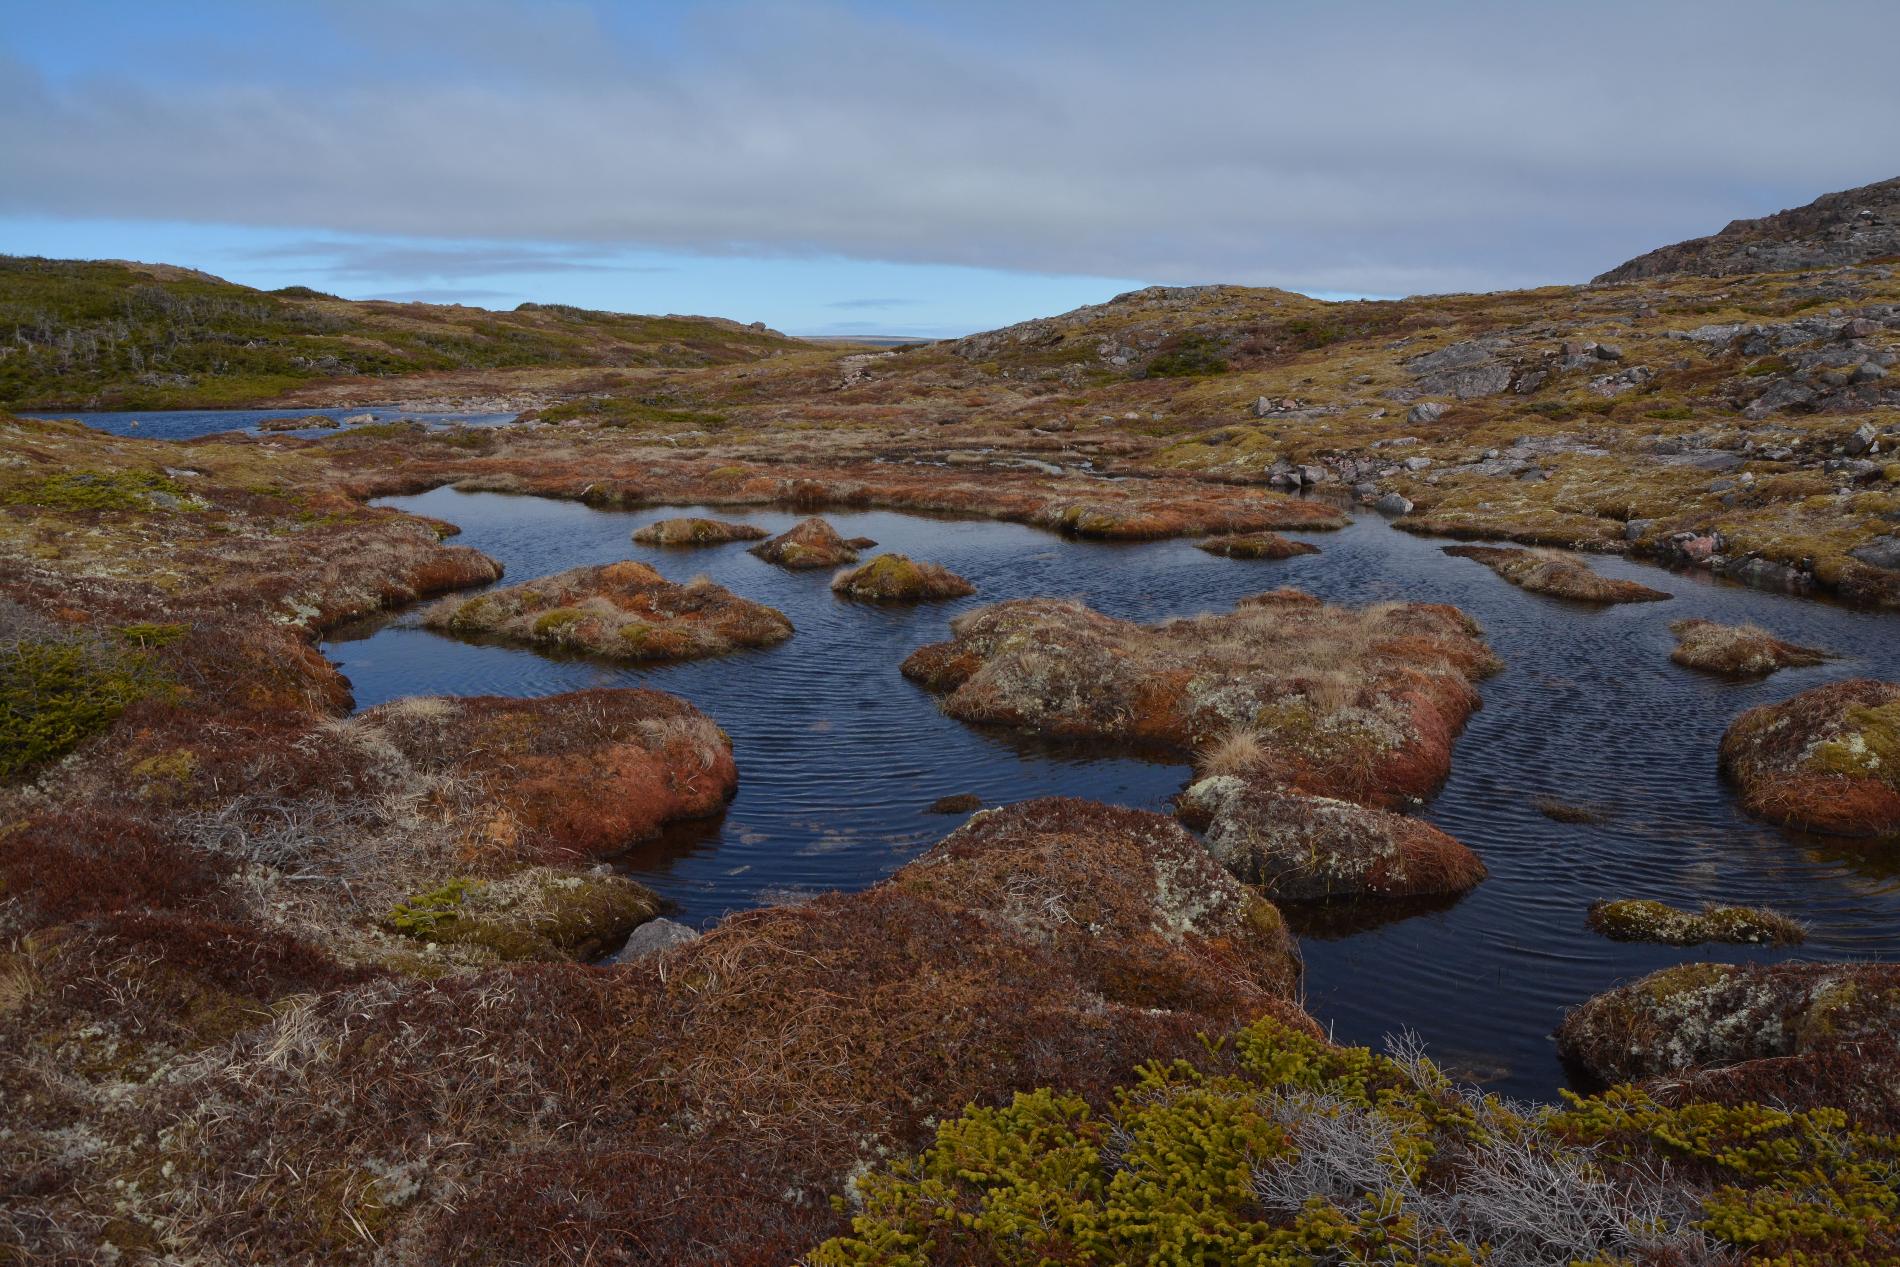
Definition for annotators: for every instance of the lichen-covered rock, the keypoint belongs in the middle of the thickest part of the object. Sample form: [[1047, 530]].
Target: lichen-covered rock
[[1737, 650], [1557, 573], [654, 937], [1827, 760], [1704, 1015], [893, 578], [691, 531], [1642, 919], [625, 611], [810, 543], [1303, 848], [1361, 704], [1256, 545]]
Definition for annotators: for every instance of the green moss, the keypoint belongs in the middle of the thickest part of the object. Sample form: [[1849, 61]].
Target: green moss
[[639, 415], [148, 636], [550, 624], [1867, 747], [536, 915], [54, 695], [1640, 919], [93, 490]]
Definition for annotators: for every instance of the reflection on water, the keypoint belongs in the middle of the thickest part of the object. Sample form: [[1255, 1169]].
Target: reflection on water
[[840, 757]]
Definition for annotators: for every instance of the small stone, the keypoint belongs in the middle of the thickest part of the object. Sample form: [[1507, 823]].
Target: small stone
[[1426, 411], [653, 937], [1394, 504], [1863, 439]]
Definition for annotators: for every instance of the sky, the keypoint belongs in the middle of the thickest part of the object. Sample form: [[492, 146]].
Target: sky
[[921, 168]]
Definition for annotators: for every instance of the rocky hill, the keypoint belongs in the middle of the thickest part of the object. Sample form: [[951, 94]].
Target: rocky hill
[[1854, 226], [115, 334]]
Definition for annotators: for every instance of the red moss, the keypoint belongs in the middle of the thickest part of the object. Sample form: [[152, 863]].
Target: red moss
[[79, 863], [581, 774]]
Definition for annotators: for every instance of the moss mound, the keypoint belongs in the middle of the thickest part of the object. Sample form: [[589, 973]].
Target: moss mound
[[1641, 919], [1557, 573], [1827, 760], [1737, 650], [688, 531], [538, 914], [1256, 545], [625, 611], [811, 543], [893, 578]]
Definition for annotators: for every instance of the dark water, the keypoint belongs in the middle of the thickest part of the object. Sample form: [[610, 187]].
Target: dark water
[[839, 755], [189, 424]]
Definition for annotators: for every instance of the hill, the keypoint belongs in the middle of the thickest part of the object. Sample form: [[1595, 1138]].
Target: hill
[[114, 334], [1854, 226]]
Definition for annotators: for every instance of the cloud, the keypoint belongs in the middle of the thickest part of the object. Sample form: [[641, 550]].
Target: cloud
[[377, 261], [430, 295], [1379, 147], [873, 303]]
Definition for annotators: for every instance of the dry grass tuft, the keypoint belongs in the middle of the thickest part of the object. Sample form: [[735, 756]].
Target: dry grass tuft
[[1737, 650]]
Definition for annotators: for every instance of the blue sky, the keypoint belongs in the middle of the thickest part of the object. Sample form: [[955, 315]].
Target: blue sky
[[918, 168]]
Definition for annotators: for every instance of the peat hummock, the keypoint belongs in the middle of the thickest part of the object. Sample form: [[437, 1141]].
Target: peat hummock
[[694, 531], [1737, 650], [893, 578], [1256, 545], [624, 611], [1357, 703], [1556, 573], [1304, 848], [812, 543], [1827, 760]]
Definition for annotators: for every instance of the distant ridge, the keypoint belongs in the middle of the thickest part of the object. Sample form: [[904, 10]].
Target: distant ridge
[[1855, 226]]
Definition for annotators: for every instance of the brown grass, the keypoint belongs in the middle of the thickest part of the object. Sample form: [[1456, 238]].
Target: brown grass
[[1557, 573], [893, 578], [1737, 650]]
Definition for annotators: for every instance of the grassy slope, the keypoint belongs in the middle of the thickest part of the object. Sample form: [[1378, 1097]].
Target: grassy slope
[[105, 334]]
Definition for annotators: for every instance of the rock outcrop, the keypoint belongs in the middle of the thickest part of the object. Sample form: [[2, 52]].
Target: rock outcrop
[[1854, 226]]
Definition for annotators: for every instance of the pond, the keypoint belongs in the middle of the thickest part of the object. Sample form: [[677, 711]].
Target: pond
[[839, 756], [190, 424]]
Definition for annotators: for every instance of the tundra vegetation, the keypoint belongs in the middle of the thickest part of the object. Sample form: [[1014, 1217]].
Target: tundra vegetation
[[696, 532], [1737, 650], [1827, 760], [1358, 703], [1256, 545], [810, 543], [1557, 573], [282, 984], [1644, 919], [623, 611], [894, 578]]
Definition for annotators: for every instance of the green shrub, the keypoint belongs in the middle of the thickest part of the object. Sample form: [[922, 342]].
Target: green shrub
[[1190, 356], [1280, 1151], [54, 695]]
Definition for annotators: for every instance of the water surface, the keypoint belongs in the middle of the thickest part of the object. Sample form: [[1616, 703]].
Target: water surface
[[190, 424], [839, 755]]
